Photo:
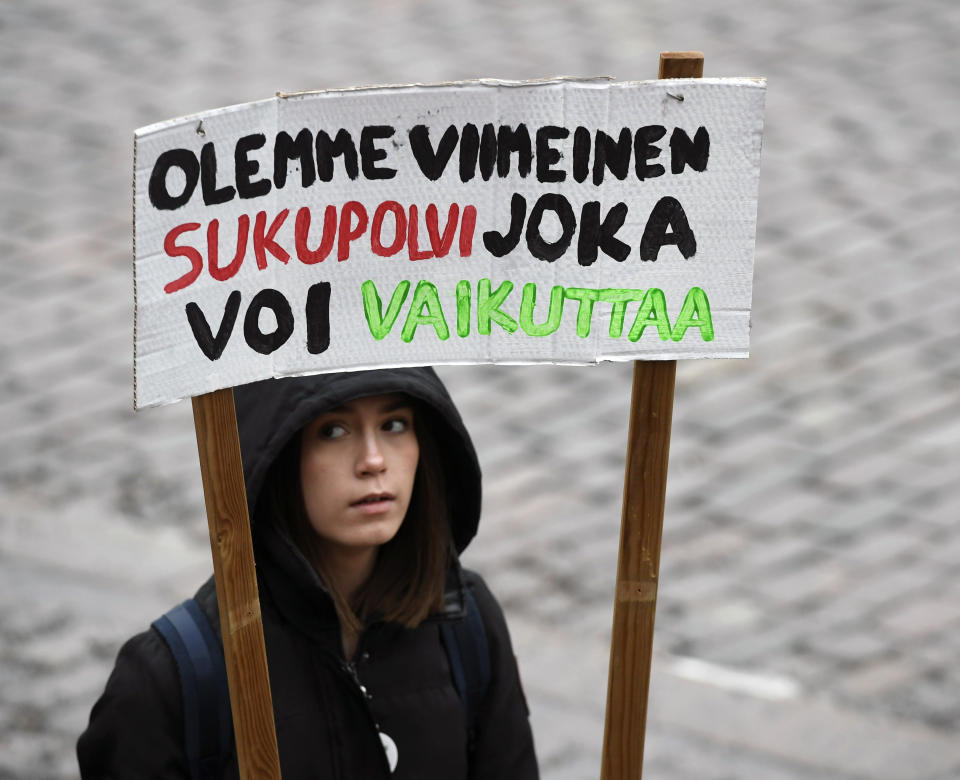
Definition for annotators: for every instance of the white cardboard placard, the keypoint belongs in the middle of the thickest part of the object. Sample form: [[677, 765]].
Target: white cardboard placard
[[562, 221]]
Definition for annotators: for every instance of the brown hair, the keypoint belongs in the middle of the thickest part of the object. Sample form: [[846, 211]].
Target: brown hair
[[408, 579]]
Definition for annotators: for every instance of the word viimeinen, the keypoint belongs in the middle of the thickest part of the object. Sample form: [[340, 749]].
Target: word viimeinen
[[426, 309]]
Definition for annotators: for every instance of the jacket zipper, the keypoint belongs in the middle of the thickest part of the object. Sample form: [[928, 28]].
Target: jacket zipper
[[350, 668]]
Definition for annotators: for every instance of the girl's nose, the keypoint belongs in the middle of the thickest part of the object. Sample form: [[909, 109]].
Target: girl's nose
[[371, 460]]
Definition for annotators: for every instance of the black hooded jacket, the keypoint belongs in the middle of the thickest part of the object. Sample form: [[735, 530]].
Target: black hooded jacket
[[329, 713]]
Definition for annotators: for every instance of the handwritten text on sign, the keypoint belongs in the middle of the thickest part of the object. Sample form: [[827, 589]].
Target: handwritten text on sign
[[565, 221]]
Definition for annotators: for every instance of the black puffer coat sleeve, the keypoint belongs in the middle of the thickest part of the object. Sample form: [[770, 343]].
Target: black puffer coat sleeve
[[504, 741], [136, 727]]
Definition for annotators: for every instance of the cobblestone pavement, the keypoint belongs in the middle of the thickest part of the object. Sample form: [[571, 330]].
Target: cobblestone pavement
[[809, 611]]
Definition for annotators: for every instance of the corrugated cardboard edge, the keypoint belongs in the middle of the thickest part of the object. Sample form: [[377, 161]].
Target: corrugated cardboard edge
[[133, 230], [485, 82], [729, 355]]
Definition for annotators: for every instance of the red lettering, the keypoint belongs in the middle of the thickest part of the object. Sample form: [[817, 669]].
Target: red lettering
[[263, 241], [348, 234], [172, 250], [400, 222], [467, 225], [416, 253], [213, 248], [441, 244], [302, 230]]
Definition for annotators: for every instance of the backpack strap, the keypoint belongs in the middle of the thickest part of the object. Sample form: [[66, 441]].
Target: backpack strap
[[468, 653], [208, 727]]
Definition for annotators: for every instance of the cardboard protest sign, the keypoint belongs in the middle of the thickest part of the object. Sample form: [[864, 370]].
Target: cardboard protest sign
[[509, 222]]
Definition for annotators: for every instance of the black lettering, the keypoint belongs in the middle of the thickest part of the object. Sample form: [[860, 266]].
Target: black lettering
[[510, 141], [488, 151], [581, 154], [342, 144], [318, 317], [500, 244], [643, 150], [208, 178], [539, 248], [432, 163], [213, 346], [668, 213], [370, 154], [611, 154], [187, 162], [265, 343], [694, 153], [286, 148], [595, 234], [469, 151], [547, 155], [245, 167]]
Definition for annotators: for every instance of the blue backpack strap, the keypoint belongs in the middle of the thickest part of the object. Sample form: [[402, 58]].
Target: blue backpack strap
[[208, 727], [468, 653]]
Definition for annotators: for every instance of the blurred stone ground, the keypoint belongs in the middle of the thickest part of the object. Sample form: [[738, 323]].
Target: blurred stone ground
[[809, 611]]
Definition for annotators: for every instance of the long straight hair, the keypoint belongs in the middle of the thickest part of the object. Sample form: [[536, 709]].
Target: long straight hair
[[408, 579]]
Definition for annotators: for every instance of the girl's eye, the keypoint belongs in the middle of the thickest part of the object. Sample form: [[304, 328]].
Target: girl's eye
[[332, 431], [396, 425]]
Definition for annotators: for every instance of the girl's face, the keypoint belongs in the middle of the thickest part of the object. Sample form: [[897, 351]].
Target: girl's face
[[357, 467]]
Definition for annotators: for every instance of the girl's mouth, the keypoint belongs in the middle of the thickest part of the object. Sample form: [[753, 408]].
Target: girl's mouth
[[374, 501]]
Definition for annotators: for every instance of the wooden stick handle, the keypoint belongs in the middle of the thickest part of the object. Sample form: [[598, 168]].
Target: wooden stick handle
[[641, 529], [221, 468]]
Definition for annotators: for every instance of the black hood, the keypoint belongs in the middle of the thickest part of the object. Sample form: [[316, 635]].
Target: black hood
[[271, 412]]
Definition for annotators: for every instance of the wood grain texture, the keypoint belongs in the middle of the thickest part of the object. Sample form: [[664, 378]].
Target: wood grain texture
[[641, 529], [233, 568], [681, 65]]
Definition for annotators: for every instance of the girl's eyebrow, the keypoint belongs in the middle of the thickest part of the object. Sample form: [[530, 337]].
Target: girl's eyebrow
[[397, 405], [391, 405]]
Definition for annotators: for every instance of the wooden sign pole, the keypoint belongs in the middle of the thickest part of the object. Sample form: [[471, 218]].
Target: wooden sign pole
[[638, 567], [215, 420]]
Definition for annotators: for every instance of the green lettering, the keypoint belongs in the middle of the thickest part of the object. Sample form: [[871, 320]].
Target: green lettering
[[488, 307], [653, 310], [695, 313], [425, 297], [463, 308], [619, 298], [554, 312], [381, 324], [587, 298]]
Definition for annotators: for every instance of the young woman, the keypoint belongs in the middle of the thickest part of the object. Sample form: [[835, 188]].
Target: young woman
[[363, 488]]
